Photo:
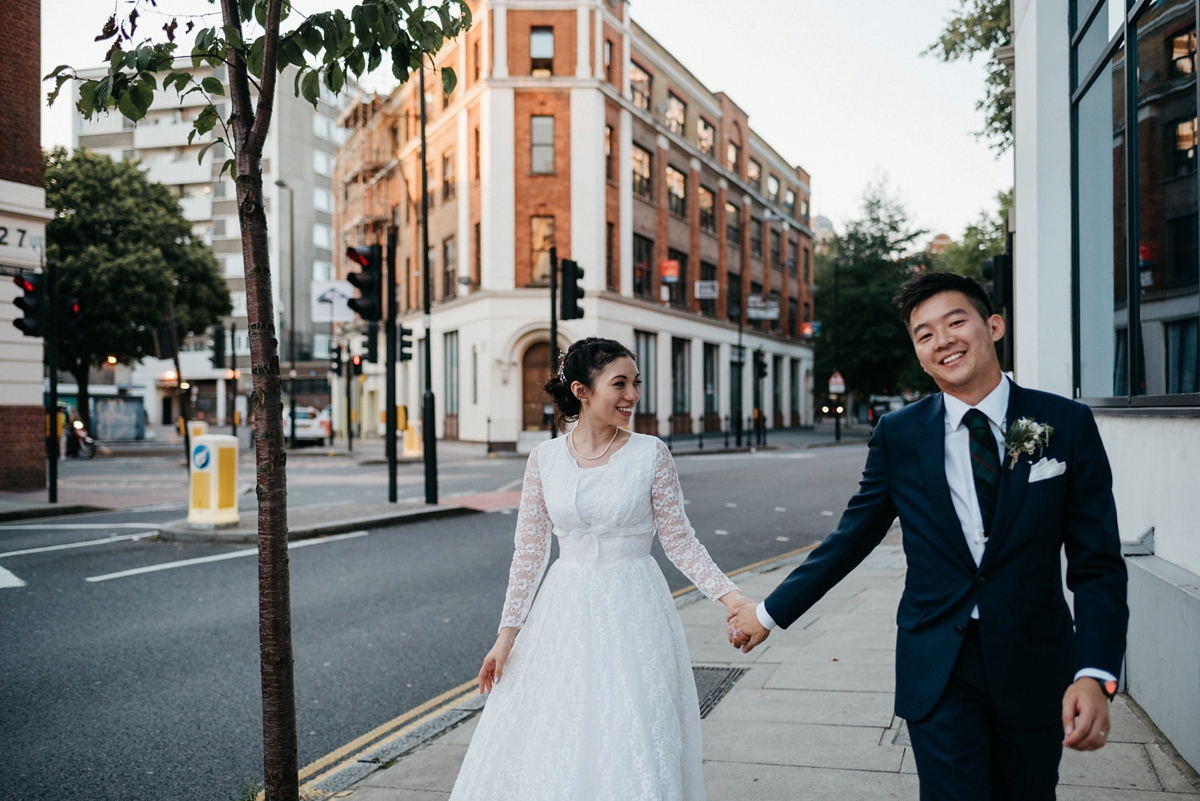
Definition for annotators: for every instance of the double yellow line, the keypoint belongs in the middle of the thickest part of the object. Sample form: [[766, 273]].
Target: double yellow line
[[397, 727]]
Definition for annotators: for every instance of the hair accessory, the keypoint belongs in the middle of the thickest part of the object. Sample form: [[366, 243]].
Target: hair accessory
[[562, 363]]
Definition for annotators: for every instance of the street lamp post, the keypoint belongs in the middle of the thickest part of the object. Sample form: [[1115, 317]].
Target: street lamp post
[[291, 302], [429, 440]]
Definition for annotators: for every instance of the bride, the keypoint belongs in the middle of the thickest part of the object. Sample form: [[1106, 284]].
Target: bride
[[591, 685]]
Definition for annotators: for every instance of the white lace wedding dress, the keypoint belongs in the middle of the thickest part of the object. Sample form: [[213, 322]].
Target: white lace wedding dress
[[597, 701]]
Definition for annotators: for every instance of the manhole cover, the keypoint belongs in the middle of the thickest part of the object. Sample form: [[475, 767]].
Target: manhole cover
[[712, 683]]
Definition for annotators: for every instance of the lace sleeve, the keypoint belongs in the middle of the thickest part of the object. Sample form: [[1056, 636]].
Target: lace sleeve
[[532, 548], [676, 534]]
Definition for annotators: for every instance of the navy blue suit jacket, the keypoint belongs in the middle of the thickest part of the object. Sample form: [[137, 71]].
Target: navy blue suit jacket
[[1031, 649]]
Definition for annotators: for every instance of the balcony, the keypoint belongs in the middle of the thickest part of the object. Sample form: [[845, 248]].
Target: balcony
[[170, 134], [184, 171], [196, 208]]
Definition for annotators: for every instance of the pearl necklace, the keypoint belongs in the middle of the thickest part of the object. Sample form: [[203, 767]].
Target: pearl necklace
[[597, 456]]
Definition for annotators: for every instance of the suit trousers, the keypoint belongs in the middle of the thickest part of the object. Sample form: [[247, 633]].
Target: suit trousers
[[964, 752]]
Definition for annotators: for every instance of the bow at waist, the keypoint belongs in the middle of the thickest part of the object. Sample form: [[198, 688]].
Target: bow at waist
[[601, 544]]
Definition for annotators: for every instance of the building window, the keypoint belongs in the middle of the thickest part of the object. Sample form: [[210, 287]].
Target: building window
[[789, 203], [776, 325], [450, 348], [448, 175], [477, 256], [756, 228], [756, 289], [475, 155], [322, 236], [804, 210], [754, 174], [449, 268], [541, 52], [793, 320], [708, 209], [321, 270], [681, 396], [613, 281], [476, 60], [708, 272], [323, 200], [474, 375], [542, 144], [776, 384], [643, 258], [776, 250], [676, 116], [678, 289], [733, 157], [773, 188], [676, 192], [793, 258], [645, 346], [711, 398], [807, 269], [733, 296], [794, 390], [608, 60], [639, 86], [1137, 254], [706, 136], [237, 302], [608, 152], [733, 224], [541, 239], [641, 172]]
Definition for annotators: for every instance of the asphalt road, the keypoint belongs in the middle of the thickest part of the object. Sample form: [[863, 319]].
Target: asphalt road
[[146, 686]]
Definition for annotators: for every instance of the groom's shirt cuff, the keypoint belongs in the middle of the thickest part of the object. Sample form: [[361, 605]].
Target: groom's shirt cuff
[[764, 617], [1094, 673]]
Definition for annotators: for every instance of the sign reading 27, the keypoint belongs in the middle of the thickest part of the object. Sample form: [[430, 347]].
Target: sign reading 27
[[18, 235]]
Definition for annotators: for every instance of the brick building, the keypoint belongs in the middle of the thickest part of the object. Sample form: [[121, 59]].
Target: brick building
[[572, 127], [23, 218]]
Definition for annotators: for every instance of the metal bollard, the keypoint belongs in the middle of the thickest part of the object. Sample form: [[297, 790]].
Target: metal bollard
[[726, 432]]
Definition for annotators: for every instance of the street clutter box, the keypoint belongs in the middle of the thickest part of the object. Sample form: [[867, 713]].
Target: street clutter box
[[197, 428], [214, 466]]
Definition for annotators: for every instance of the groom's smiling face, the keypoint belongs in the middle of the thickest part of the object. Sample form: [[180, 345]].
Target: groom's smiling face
[[956, 345]]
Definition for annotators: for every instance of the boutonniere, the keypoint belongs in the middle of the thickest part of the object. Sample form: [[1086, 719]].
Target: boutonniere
[[1026, 436]]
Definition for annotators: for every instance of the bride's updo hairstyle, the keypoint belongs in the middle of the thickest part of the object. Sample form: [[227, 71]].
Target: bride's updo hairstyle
[[583, 362]]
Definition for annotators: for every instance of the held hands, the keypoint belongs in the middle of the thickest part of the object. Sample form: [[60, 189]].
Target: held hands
[[493, 663], [744, 630], [1085, 715]]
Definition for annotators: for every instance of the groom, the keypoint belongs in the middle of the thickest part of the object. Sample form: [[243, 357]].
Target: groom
[[992, 674]]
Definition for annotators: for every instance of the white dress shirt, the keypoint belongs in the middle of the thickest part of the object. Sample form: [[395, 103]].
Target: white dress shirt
[[961, 481]]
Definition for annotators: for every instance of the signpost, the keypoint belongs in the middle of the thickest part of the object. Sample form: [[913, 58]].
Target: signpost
[[837, 388], [762, 307], [707, 290]]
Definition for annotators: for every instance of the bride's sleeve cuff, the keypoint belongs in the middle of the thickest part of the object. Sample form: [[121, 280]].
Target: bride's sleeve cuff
[[764, 617]]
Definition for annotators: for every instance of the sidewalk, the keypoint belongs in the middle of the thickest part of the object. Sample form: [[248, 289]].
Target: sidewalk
[[811, 717]]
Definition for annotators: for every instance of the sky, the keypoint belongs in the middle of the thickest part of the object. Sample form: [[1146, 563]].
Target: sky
[[839, 88]]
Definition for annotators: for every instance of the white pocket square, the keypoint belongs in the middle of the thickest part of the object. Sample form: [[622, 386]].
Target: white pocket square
[[1046, 468]]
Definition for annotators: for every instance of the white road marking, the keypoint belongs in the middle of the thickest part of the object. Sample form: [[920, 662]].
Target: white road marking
[[731, 506], [200, 560], [71, 526], [827, 514], [8, 580], [86, 543], [782, 539], [721, 532], [780, 509]]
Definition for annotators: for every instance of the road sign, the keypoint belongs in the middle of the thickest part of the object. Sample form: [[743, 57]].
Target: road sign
[[669, 271], [762, 307], [708, 290], [837, 384]]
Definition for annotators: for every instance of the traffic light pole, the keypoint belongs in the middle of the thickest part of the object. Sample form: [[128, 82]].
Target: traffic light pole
[[428, 432], [389, 332], [232, 399], [52, 436], [348, 369], [553, 324]]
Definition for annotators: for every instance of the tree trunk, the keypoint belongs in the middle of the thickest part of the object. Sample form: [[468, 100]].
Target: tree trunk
[[249, 127]]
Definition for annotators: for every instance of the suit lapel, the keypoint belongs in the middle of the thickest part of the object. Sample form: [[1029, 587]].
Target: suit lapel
[[1014, 482], [931, 446]]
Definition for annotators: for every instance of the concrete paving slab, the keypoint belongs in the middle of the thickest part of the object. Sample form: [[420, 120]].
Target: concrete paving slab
[[365, 793], [1108, 794], [462, 735], [1169, 771], [817, 652], [804, 706], [852, 639], [1126, 726], [804, 745], [855, 621], [708, 653], [1118, 766], [733, 781], [834, 676], [432, 768]]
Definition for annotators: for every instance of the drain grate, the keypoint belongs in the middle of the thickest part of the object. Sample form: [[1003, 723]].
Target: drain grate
[[712, 683]]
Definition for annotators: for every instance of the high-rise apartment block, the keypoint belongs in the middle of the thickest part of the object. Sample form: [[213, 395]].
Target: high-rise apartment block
[[572, 128]]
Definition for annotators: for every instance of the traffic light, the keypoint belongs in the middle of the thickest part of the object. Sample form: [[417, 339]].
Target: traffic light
[[368, 281], [32, 303], [373, 343], [997, 272], [70, 320], [356, 364], [404, 351], [218, 347], [760, 369], [335, 362], [571, 290]]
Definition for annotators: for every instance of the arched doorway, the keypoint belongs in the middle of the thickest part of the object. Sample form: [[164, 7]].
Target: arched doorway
[[535, 372]]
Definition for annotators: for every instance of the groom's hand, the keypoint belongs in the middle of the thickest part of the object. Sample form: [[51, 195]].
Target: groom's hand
[[748, 633], [1085, 715]]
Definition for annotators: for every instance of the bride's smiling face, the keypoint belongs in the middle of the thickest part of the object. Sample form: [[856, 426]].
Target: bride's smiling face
[[613, 395]]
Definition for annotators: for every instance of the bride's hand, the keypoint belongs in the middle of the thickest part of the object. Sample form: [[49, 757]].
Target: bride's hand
[[493, 663], [734, 600]]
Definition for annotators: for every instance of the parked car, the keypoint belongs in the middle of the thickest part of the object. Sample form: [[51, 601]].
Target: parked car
[[311, 425]]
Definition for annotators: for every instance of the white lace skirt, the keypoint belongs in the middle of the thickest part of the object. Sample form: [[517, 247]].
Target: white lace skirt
[[597, 701]]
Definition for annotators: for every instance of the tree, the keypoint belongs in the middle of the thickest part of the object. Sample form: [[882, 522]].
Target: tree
[[862, 334], [981, 26], [324, 47], [121, 245], [981, 239]]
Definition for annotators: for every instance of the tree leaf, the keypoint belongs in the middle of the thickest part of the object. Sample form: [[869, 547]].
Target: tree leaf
[[375, 58], [234, 37], [206, 119], [356, 62], [310, 87], [449, 80], [228, 165], [87, 99], [335, 78], [212, 86]]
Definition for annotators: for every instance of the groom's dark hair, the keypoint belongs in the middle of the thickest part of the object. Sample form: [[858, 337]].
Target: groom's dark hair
[[924, 286]]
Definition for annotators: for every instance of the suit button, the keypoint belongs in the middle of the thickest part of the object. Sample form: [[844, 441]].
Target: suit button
[[958, 630], [980, 581]]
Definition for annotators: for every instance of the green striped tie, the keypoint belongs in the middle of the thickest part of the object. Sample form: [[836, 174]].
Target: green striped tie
[[985, 465]]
